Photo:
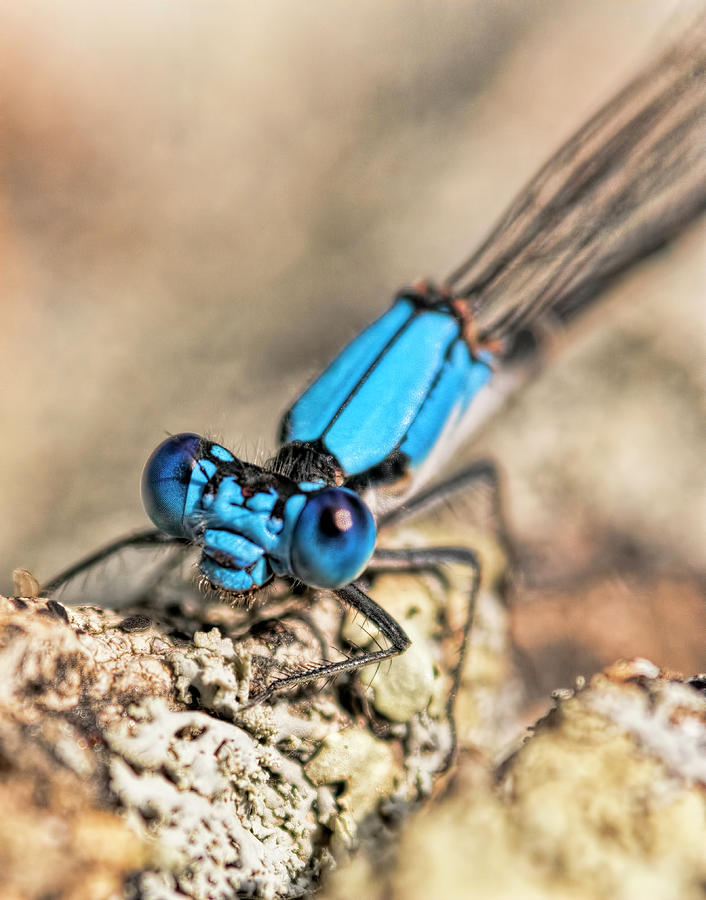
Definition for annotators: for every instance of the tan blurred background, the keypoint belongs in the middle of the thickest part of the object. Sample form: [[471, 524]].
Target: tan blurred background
[[199, 203]]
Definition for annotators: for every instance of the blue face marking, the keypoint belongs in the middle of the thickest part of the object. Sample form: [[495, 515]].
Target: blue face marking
[[230, 493], [241, 535], [236, 580], [308, 486], [263, 501], [224, 512], [325, 538], [200, 477], [221, 453], [238, 551]]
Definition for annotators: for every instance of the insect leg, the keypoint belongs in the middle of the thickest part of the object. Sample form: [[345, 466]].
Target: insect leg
[[417, 559], [353, 596], [482, 472]]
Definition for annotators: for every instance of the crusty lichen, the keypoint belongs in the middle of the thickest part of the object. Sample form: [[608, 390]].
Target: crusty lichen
[[212, 669], [366, 766], [204, 789], [135, 727], [148, 708], [607, 798], [58, 834]]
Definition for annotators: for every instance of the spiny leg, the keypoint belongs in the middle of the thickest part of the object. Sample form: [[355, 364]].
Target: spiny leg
[[353, 596], [416, 559], [482, 470]]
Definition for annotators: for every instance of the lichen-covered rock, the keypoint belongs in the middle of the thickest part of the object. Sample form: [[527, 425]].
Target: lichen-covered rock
[[59, 835], [138, 724], [203, 789], [607, 798], [131, 762], [369, 770]]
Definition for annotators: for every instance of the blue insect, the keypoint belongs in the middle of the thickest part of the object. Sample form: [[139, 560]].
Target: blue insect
[[373, 423], [370, 420], [349, 432]]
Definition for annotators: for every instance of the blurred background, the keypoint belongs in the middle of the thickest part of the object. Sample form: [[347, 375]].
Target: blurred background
[[200, 203]]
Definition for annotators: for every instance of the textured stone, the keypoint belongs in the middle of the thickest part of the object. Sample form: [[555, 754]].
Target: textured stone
[[606, 798]]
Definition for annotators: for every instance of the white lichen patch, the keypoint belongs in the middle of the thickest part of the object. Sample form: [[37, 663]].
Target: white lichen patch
[[231, 800], [211, 668], [666, 718], [367, 768], [603, 800], [402, 686], [225, 812]]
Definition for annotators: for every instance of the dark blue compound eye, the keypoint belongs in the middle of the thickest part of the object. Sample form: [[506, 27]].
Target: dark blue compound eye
[[165, 481], [333, 539]]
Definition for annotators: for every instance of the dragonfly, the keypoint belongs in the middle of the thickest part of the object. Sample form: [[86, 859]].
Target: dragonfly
[[359, 445]]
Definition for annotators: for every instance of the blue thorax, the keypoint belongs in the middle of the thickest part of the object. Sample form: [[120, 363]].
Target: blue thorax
[[376, 412], [382, 404]]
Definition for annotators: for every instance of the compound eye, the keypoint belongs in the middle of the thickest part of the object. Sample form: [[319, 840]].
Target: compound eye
[[165, 481], [333, 539]]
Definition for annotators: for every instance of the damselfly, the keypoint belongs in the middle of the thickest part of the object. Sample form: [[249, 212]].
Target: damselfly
[[357, 446]]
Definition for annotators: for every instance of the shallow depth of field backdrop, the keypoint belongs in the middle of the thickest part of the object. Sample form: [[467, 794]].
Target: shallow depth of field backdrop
[[200, 203]]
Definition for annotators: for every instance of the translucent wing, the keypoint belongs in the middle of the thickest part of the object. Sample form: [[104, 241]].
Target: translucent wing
[[615, 191], [123, 573]]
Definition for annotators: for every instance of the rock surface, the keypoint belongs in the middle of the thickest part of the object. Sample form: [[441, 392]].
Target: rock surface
[[129, 755], [606, 798], [130, 767]]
